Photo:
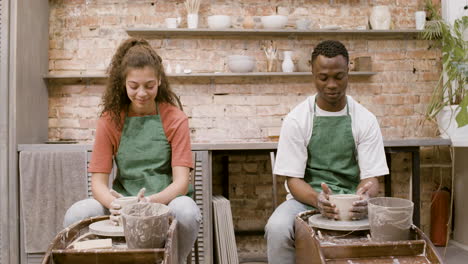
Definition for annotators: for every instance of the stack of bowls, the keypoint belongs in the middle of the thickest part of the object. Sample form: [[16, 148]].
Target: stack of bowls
[[274, 22], [241, 63], [219, 22]]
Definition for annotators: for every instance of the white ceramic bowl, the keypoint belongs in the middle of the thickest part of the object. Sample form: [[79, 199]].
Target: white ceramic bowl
[[274, 22], [241, 63], [219, 22]]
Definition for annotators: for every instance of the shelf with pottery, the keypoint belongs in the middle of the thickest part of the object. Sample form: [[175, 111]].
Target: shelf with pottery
[[166, 32], [203, 75]]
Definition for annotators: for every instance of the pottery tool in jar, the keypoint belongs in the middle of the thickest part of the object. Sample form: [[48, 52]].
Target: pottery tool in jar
[[271, 53]]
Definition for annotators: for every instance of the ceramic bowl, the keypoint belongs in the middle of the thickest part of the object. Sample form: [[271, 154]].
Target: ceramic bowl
[[274, 22], [241, 63], [344, 203], [219, 22]]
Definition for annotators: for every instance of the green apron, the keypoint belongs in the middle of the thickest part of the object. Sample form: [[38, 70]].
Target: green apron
[[144, 157], [331, 154]]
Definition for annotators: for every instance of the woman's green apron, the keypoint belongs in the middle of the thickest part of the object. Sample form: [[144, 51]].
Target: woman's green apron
[[331, 154], [144, 157]]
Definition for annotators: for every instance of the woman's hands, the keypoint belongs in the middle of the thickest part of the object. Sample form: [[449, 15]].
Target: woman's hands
[[141, 196], [116, 209]]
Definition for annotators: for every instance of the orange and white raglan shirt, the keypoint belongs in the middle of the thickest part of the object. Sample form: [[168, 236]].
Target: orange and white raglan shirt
[[175, 125]]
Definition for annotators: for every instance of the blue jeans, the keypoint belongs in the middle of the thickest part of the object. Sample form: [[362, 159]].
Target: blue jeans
[[279, 232], [184, 208]]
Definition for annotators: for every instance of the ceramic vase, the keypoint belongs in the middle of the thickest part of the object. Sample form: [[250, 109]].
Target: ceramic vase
[[380, 18], [420, 17], [288, 64], [192, 20]]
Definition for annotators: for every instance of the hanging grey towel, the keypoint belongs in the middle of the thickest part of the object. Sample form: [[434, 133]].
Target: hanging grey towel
[[50, 182]]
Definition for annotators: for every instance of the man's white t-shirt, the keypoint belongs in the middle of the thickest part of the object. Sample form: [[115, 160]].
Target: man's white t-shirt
[[296, 131]]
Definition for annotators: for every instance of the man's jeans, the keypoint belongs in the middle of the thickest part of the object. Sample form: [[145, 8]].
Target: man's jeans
[[184, 208], [279, 232]]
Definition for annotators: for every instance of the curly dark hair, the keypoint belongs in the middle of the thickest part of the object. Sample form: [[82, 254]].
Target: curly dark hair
[[133, 53], [330, 49]]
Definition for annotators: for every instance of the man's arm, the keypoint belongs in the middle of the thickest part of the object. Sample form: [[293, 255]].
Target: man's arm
[[365, 186], [302, 191]]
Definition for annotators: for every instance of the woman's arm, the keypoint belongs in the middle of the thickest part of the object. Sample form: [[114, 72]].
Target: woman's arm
[[179, 186], [100, 189]]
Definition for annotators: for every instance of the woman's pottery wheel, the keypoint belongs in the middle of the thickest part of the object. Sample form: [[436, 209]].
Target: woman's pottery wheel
[[106, 228], [317, 220]]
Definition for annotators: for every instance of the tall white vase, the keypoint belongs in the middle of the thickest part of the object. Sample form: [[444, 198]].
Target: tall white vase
[[192, 21], [380, 17], [288, 64]]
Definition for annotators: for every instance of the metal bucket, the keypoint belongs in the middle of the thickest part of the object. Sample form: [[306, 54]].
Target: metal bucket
[[146, 224], [390, 219]]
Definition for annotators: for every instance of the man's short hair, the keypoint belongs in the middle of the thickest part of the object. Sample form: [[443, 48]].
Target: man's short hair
[[330, 49]]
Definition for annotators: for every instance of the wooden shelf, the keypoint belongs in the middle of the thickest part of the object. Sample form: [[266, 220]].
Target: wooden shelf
[[202, 75], [164, 32]]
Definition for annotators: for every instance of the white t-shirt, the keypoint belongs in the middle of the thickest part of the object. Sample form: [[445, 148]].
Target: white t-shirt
[[296, 131]]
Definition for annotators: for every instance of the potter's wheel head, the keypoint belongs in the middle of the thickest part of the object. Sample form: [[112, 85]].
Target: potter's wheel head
[[317, 220], [106, 228]]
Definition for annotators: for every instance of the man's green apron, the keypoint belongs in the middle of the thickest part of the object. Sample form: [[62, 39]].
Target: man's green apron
[[144, 157], [331, 154]]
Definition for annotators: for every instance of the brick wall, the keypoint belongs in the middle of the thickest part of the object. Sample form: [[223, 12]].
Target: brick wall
[[84, 35]]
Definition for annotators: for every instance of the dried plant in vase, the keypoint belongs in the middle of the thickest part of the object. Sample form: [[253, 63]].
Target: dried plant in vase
[[271, 53], [192, 7]]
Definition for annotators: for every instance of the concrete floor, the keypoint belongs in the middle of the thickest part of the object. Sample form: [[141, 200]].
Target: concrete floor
[[453, 254]]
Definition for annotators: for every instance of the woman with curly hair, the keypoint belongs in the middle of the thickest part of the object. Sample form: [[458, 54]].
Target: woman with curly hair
[[142, 128]]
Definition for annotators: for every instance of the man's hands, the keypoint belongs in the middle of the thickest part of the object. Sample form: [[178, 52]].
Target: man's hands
[[326, 208], [359, 210]]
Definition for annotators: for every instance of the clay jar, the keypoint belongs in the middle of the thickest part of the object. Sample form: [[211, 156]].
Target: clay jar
[[124, 201], [344, 203]]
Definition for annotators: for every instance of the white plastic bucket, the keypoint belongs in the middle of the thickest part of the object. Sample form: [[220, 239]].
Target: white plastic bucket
[[390, 219]]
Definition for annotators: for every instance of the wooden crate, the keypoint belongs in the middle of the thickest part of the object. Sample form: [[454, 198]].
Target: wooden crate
[[354, 247], [59, 254]]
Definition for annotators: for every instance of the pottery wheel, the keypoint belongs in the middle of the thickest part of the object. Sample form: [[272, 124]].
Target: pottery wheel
[[106, 228], [317, 220]]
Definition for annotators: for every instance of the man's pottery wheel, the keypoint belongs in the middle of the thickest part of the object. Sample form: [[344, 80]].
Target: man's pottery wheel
[[106, 228], [317, 220]]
